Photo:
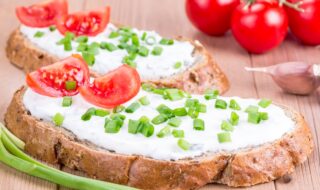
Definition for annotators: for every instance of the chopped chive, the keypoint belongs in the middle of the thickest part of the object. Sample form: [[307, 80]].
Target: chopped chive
[[144, 119], [129, 60], [124, 39], [157, 50], [174, 122], [82, 39], [177, 65], [148, 87], [165, 41], [93, 48], [191, 103], [161, 118], [164, 132], [180, 112], [118, 109], [38, 34], [147, 129], [112, 126], [224, 137], [87, 116], [264, 115], [221, 104], [101, 112], [119, 116], [143, 51], [58, 119], [193, 113], [252, 109], [135, 40], [165, 110], [264, 103], [234, 105], [132, 107], [144, 101], [150, 40], [226, 126], [108, 46], [70, 85], [52, 28], [234, 118], [67, 46], [198, 124], [82, 47], [183, 144], [133, 126], [202, 108], [67, 101], [88, 58], [178, 133], [173, 94], [254, 117], [211, 94], [113, 34], [122, 45], [132, 49], [144, 35], [159, 91]]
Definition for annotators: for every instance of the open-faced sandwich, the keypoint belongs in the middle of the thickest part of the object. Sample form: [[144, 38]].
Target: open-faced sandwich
[[112, 129], [48, 33]]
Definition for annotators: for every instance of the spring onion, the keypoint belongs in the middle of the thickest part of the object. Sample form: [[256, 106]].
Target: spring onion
[[143, 51], [211, 94], [193, 113], [118, 109], [221, 104], [66, 101], [38, 34], [191, 103], [135, 40], [198, 124], [226, 126], [264, 103], [234, 105], [148, 87], [165, 41], [183, 144], [254, 117], [58, 119], [123, 45], [147, 129], [89, 58], [70, 85], [87, 116], [264, 115], [157, 50], [164, 132], [112, 126], [173, 94], [150, 40], [52, 28], [144, 101], [234, 118], [161, 118], [144, 35], [180, 112], [224, 137], [174, 122], [132, 107], [108, 46], [113, 34], [133, 126], [177, 65], [101, 112], [252, 109], [178, 133], [201, 108], [82, 39], [163, 109]]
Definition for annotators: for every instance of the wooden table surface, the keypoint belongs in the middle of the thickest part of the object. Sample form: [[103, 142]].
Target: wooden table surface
[[169, 19]]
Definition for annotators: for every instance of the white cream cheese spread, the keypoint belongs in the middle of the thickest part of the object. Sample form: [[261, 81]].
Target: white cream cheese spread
[[244, 135], [149, 67]]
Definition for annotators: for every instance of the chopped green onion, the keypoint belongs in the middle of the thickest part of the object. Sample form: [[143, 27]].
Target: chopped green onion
[[221, 104], [70, 85], [147, 129], [119, 116], [113, 34], [122, 45], [164, 132], [88, 58], [163, 109], [144, 101], [118, 109], [52, 28], [144, 119], [264, 103], [143, 51], [112, 126], [135, 40], [150, 40], [67, 101], [234, 118], [183, 144], [191, 103], [82, 47], [173, 94], [148, 87], [202, 108], [174, 122], [87, 116], [129, 60], [193, 113], [234, 105], [66, 41], [108, 46], [157, 50], [264, 115], [93, 48], [161, 118], [159, 91], [144, 35], [180, 112], [178, 133], [198, 124], [101, 112], [58, 119], [133, 126], [224, 137], [165, 41], [254, 117], [38, 34], [132, 107], [67, 46], [82, 39], [226, 126], [124, 39], [211, 94], [252, 109], [177, 65]]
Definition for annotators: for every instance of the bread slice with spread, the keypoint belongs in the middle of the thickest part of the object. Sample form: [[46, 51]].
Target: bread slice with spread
[[174, 63]]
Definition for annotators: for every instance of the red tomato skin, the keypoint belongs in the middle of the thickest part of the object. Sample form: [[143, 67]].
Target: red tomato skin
[[114, 88], [211, 16], [259, 27], [42, 14], [305, 26]]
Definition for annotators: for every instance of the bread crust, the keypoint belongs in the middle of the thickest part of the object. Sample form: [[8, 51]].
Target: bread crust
[[245, 167], [201, 76]]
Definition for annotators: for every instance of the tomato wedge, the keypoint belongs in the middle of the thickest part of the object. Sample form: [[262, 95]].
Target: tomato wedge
[[60, 79], [89, 24], [42, 14], [114, 88]]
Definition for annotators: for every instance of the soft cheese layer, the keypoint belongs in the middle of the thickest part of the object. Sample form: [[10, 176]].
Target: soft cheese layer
[[244, 134], [150, 67]]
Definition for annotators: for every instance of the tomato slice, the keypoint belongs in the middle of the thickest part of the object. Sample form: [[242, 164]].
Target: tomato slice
[[89, 24], [60, 79], [42, 14], [114, 88]]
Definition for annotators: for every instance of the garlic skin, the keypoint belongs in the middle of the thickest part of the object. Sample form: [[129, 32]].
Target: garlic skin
[[294, 77]]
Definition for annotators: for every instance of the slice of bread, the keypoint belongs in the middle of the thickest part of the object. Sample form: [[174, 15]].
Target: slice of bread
[[204, 74], [244, 167]]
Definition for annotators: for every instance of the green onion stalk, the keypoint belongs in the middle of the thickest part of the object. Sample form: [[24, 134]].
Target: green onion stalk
[[12, 155]]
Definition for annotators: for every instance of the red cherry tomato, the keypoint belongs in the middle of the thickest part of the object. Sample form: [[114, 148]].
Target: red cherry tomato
[[42, 14], [306, 25], [53, 80], [114, 88], [260, 26], [89, 24], [211, 16]]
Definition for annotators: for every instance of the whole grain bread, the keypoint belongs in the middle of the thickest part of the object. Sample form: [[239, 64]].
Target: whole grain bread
[[204, 74], [244, 167]]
